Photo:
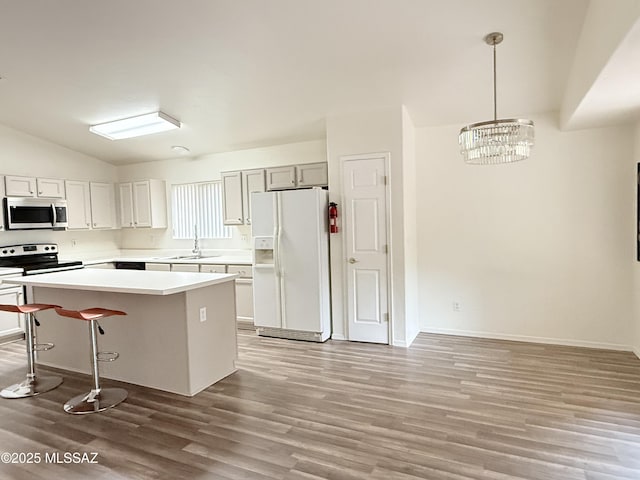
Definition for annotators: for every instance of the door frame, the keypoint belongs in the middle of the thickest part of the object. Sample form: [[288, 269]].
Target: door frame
[[386, 156]]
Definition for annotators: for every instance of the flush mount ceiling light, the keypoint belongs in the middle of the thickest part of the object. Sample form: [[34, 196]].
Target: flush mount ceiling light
[[180, 150], [136, 126], [496, 141]]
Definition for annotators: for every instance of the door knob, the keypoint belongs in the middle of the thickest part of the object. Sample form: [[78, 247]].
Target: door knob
[[353, 260]]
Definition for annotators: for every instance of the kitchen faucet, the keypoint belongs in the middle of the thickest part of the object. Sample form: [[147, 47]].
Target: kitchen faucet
[[196, 245]]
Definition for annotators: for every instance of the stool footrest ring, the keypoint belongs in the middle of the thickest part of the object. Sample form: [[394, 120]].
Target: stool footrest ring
[[107, 356], [43, 347]]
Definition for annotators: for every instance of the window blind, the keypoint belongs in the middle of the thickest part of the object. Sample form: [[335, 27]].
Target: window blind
[[198, 205]]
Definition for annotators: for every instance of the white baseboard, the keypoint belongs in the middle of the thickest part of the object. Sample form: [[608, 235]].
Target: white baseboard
[[636, 350], [411, 337], [337, 336], [526, 338]]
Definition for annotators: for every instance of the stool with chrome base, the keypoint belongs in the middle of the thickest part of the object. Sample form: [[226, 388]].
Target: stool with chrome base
[[34, 384], [98, 399]]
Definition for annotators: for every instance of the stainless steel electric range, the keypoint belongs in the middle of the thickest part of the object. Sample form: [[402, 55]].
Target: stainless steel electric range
[[35, 258]]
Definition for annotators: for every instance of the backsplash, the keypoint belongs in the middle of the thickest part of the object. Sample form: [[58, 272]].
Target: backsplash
[[70, 243]]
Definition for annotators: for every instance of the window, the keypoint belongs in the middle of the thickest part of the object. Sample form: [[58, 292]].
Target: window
[[198, 204]]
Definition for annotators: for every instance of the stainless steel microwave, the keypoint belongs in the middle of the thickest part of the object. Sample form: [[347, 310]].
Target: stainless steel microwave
[[29, 213]]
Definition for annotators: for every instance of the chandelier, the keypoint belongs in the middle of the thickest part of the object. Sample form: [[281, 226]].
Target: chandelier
[[496, 141]]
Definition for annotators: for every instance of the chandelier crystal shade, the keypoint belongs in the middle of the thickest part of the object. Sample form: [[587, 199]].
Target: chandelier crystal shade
[[496, 141]]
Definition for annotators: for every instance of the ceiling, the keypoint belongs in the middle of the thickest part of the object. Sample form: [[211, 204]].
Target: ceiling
[[247, 73]]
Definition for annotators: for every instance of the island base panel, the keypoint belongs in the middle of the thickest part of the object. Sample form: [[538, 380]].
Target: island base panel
[[162, 342]]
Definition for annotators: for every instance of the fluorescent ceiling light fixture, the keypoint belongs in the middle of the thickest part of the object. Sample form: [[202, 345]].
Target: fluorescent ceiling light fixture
[[136, 126]]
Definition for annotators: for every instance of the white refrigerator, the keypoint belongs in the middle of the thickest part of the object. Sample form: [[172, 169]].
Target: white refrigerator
[[291, 264]]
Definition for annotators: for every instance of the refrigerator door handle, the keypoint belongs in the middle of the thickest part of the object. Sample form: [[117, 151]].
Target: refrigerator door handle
[[280, 280], [276, 253]]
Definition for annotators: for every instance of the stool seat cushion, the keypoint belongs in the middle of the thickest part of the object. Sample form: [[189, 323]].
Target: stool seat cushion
[[88, 313], [27, 308]]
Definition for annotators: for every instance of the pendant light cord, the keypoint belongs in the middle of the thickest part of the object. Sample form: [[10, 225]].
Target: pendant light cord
[[495, 95]]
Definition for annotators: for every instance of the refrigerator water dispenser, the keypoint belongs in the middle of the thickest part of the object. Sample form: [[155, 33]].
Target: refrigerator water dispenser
[[263, 250]]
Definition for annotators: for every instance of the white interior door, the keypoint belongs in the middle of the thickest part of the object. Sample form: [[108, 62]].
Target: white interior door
[[366, 247]]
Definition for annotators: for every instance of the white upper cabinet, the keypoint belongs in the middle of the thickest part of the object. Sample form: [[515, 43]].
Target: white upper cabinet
[[143, 204], [125, 191], [312, 175], [281, 178], [1, 195], [232, 198], [252, 181], [50, 187], [102, 205], [78, 205], [237, 188], [20, 186], [90, 205]]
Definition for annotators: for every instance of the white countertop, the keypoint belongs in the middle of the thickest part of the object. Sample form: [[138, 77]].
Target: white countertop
[[217, 260], [124, 281]]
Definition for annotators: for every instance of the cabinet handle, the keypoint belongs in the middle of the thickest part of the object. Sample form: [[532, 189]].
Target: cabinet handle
[[239, 219], [95, 224], [39, 193], [88, 225], [135, 223], [248, 221]]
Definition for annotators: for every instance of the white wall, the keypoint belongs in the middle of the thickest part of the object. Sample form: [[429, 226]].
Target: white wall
[[23, 154], [539, 250], [605, 25], [412, 322], [375, 131], [208, 168]]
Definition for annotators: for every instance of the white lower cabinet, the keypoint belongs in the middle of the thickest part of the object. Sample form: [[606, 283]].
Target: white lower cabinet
[[244, 295], [213, 268], [185, 267], [11, 323], [158, 267]]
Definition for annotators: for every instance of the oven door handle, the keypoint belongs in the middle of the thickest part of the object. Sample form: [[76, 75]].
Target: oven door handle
[[55, 217], [53, 269]]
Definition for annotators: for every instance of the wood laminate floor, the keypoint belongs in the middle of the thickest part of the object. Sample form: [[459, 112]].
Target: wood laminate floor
[[446, 408]]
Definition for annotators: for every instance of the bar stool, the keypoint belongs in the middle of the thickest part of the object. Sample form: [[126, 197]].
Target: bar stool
[[34, 384], [98, 399]]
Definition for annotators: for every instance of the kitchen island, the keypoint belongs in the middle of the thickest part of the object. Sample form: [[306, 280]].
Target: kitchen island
[[179, 334]]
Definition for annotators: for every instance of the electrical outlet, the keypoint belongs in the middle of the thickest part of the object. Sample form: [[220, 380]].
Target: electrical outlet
[[203, 314], [244, 237], [456, 307]]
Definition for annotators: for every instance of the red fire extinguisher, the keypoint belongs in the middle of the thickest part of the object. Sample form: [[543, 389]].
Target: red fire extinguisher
[[333, 217]]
